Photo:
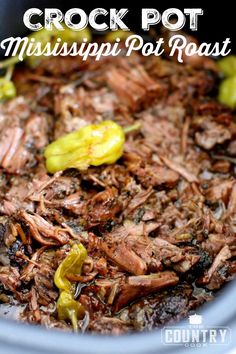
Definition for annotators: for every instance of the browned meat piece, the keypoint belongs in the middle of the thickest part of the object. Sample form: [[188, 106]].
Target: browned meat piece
[[9, 143], [74, 203], [52, 187], [15, 197], [104, 205], [133, 86], [212, 134], [161, 128], [219, 190], [143, 285], [20, 139], [172, 254], [32, 139], [79, 107], [189, 261], [221, 166], [232, 201], [179, 169], [212, 276], [9, 278], [157, 175], [28, 272], [146, 250], [43, 277], [153, 175], [125, 258], [138, 200], [162, 308], [143, 252], [215, 242], [43, 231], [34, 306]]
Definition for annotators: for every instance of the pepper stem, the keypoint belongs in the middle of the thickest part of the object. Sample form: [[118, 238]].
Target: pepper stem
[[132, 127], [9, 62], [74, 320], [9, 72]]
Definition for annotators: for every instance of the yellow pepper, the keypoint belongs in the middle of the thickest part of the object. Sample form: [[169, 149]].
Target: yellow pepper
[[95, 144], [69, 309], [227, 65], [72, 264], [7, 89], [227, 92], [227, 88]]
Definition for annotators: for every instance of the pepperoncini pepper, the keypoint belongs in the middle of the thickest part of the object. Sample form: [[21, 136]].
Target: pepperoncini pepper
[[227, 88], [7, 89], [95, 144], [67, 307], [72, 264], [227, 65], [227, 92]]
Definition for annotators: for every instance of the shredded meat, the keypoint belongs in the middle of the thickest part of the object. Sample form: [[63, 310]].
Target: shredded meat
[[10, 278], [159, 225], [143, 285], [133, 86], [43, 231], [212, 134]]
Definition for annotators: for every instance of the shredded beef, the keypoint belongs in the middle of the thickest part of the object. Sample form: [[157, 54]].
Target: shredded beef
[[159, 225]]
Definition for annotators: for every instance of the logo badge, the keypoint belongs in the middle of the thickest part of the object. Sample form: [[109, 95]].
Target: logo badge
[[195, 334]]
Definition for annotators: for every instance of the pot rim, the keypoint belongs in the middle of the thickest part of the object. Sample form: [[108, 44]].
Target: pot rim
[[220, 312]]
